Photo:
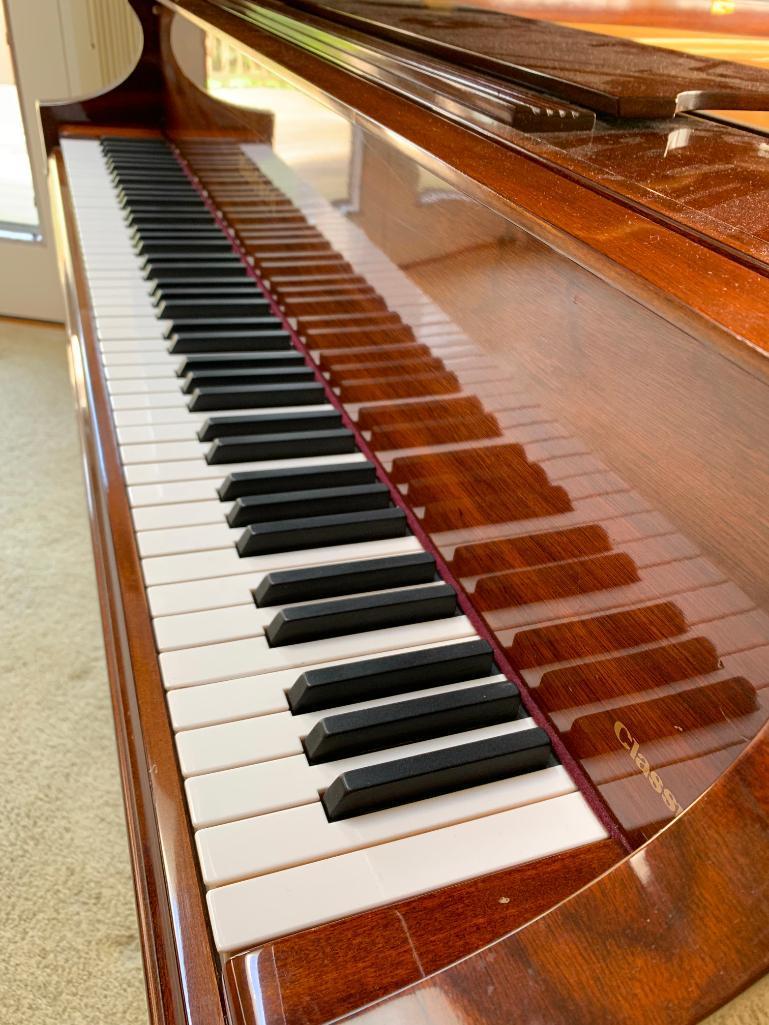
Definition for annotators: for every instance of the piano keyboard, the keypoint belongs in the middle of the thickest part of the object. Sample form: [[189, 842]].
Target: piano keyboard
[[603, 608], [346, 737]]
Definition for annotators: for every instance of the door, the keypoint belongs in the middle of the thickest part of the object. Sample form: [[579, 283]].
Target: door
[[49, 50]]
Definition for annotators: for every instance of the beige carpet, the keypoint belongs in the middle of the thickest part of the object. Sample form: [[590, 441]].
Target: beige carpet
[[68, 940], [68, 937]]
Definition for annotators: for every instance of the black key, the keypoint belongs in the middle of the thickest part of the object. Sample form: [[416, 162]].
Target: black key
[[151, 183], [160, 175], [248, 305], [154, 264], [158, 209], [177, 231], [231, 341], [242, 288], [268, 423], [142, 213], [322, 531], [246, 375], [239, 361], [192, 216], [236, 283], [322, 502], [269, 482], [143, 241], [283, 587], [377, 611], [257, 396], [406, 722], [373, 678], [293, 445], [205, 325], [199, 272], [192, 246], [129, 196], [439, 772]]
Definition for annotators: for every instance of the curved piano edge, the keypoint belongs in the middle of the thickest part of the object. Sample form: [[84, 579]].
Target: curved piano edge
[[179, 960], [287, 981], [668, 935]]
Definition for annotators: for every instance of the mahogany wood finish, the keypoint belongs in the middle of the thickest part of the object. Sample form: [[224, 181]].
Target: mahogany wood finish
[[288, 982], [666, 937], [625, 79], [653, 262], [686, 172], [475, 98]]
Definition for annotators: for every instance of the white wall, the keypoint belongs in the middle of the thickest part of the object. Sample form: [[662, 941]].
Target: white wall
[[63, 49]]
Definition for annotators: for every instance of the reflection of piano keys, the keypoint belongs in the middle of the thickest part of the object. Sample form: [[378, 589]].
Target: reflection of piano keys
[[607, 612]]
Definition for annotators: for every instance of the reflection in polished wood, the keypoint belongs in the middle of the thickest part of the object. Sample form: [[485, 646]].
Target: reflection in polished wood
[[624, 79], [566, 567], [288, 982]]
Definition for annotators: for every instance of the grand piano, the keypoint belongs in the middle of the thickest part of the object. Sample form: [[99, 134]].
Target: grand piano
[[420, 359]]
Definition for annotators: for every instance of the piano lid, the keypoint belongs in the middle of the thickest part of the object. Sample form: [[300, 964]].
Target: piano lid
[[616, 76]]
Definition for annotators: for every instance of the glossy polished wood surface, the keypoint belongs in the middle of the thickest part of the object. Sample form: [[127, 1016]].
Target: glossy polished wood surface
[[666, 937], [626, 80], [288, 982]]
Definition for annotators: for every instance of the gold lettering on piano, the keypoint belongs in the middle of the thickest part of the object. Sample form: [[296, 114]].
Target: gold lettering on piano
[[630, 744]]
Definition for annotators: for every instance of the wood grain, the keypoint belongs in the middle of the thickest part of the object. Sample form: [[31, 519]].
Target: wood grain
[[625, 79], [562, 563], [379, 952], [668, 936]]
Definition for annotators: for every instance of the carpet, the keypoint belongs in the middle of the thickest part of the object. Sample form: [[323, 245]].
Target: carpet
[[68, 933]]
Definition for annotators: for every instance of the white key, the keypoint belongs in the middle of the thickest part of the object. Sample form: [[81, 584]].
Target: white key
[[296, 836], [141, 495], [247, 913], [130, 328], [178, 540], [223, 786], [212, 626], [150, 400], [186, 429], [150, 417], [164, 451], [268, 738], [151, 385], [231, 659], [197, 595], [188, 514], [244, 698], [198, 469]]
